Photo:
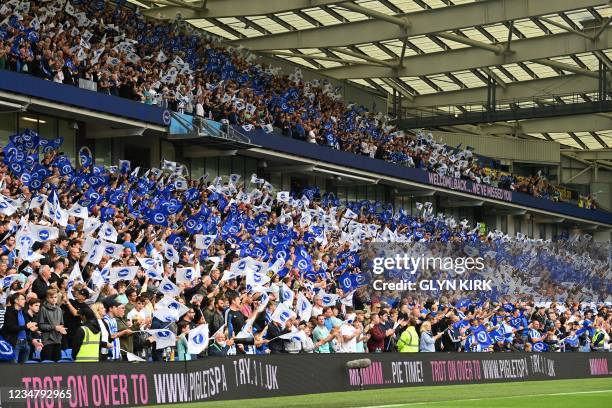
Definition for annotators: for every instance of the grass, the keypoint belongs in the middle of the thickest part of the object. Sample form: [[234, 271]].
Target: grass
[[583, 393]]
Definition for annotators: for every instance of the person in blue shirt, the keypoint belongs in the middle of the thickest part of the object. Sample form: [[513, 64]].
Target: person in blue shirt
[[127, 243], [9, 249], [61, 249]]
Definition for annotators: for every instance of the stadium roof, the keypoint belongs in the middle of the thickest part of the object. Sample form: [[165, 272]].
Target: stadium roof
[[433, 52]]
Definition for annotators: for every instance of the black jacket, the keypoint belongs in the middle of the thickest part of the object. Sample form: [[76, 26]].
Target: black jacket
[[40, 287], [11, 327], [274, 331]]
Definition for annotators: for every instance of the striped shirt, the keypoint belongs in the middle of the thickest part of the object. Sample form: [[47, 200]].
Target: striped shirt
[[115, 352], [534, 334]]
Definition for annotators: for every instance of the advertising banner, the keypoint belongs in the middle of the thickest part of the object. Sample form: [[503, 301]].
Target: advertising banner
[[130, 384]]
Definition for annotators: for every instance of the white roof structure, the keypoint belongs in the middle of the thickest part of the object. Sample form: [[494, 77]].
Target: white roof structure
[[433, 52]]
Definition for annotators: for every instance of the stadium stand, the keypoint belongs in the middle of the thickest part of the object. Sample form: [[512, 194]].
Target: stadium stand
[[161, 64]]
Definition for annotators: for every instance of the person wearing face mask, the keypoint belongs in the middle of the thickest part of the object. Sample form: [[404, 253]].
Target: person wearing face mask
[[220, 346]]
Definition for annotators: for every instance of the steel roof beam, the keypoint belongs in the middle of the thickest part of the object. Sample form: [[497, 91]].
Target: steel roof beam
[[497, 49], [234, 8], [314, 57], [514, 90], [567, 67], [422, 22], [528, 49], [402, 22], [364, 57]]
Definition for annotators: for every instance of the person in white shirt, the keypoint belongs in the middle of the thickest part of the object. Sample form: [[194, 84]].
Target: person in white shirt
[[317, 309], [140, 313], [348, 338]]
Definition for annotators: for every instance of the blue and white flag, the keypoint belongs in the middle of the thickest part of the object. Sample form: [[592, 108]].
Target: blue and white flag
[[197, 339], [43, 233], [148, 263], [112, 250], [283, 196], [169, 310], [329, 299], [124, 166], [78, 211], [188, 274], [240, 268], [303, 307], [168, 288], [256, 180], [6, 207], [296, 335], [7, 281], [286, 295], [282, 314], [233, 179], [108, 232], [37, 201], [90, 225], [122, 273], [540, 347], [204, 241], [483, 339], [163, 338], [75, 276], [264, 299], [171, 254], [256, 280]]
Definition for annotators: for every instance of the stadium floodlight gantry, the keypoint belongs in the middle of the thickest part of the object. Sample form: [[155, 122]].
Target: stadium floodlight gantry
[[446, 57]]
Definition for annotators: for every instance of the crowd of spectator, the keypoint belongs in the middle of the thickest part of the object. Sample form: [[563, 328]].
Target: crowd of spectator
[[176, 66], [115, 263]]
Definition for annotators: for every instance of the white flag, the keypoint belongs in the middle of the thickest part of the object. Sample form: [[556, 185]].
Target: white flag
[[241, 267], [108, 232], [204, 241], [286, 295], [197, 339], [304, 308], [169, 310], [163, 338], [43, 233], [188, 274], [131, 357], [297, 335], [171, 254], [329, 299], [112, 250], [283, 196], [90, 225], [282, 314], [147, 263], [78, 211], [168, 288], [122, 273]]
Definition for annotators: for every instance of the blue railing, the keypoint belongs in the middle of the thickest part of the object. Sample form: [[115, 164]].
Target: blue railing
[[71, 95]]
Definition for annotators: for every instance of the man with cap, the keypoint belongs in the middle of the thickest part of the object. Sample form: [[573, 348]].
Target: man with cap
[[71, 309]]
